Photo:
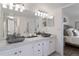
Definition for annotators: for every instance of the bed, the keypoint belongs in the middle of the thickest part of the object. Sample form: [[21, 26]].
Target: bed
[[72, 40], [71, 36]]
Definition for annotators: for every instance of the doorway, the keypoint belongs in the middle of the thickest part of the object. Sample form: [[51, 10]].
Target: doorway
[[71, 30]]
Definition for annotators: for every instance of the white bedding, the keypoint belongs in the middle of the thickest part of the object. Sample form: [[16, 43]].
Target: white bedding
[[72, 39]]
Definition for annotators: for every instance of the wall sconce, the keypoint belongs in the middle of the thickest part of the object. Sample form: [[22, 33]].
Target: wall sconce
[[43, 14]]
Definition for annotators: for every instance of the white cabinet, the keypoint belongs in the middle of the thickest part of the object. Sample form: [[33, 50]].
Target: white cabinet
[[41, 48], [38, 48], [25, 50], [11, 52], [51, 46]]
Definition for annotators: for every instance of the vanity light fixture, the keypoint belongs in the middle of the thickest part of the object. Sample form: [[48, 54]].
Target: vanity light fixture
[[18, 6], [21, 10], [41, 14]]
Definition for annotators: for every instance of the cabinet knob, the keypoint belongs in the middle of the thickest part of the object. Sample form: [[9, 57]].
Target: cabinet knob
[[15, 53], [39, 44], [50, 41], [42, 43], [20, 51], [38, 50]]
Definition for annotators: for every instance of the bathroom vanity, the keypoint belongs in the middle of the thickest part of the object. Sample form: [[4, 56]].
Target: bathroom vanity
[[24, 24], [38, 46]]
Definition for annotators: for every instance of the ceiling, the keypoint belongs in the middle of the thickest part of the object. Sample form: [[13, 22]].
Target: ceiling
[[72, 11]]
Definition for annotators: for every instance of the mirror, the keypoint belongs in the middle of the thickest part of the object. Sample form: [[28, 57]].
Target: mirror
[[48, 22], [24, 23], [11, 26]]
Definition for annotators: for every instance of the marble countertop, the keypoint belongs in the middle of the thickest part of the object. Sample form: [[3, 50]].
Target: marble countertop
[[4, 45]]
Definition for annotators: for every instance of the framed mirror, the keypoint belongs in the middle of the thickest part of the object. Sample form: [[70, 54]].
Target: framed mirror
[[48, 22]]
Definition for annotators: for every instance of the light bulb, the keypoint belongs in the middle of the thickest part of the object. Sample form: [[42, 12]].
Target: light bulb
[[46, 14], [36, 14], [41, 14], [11, 6], [17, 7], [21, 10], [4, 6]]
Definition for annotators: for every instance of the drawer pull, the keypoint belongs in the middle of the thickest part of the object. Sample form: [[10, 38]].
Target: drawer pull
[[38, 50], [42, 43], [20, 51], [15, 53], [39, 44]]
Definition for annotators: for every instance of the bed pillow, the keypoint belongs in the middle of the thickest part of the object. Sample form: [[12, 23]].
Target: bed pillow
[[75, 32], [69, 31]]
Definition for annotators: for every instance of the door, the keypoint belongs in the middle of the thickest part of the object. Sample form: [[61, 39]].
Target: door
[[26, 50]]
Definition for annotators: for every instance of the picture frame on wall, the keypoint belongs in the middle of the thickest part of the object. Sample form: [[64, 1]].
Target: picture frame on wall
[[65, 20]]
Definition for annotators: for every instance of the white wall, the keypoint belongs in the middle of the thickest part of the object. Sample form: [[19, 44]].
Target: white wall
[[58, 30], [72, 13], [1, 24]]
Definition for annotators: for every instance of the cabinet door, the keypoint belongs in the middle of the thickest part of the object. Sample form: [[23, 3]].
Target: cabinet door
[[11, 52], [37, 49], [51, 46], [45, 47], [26, 50]]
